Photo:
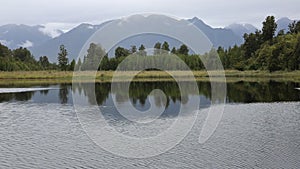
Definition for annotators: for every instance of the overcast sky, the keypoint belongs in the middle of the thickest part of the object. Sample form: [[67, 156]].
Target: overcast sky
[[65, 14]]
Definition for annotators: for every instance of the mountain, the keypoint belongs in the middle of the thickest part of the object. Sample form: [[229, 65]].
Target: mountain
[[15, 36], [241, 29], [75, 39], [283, 24], [218, 36], [41, 42]]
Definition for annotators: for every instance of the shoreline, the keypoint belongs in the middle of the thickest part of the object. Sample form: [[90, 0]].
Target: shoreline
[[106, 76]]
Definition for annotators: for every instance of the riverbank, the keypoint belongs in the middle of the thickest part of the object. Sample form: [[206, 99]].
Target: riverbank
[[67, 76]]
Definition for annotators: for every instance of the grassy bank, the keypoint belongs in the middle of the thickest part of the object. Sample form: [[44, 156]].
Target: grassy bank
[[146, 75]]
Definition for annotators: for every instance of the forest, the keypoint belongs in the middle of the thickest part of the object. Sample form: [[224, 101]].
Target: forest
[[261, 50]]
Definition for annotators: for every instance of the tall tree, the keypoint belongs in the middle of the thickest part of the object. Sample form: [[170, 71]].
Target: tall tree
[[157, 48], [133, 49], [269, 28], [252, 43], [294, 27], [93, 57], [142, 51], [44, 61], [183, 50], [121, 52], [165, 47], [23, 54], [174, 51], [62, 58], [72, 65], [78, 65]]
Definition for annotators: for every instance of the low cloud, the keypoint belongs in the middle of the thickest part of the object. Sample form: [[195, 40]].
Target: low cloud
[[26, 44], [54, 29]]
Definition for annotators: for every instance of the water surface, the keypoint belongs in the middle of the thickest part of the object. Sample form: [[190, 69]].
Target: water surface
[[259, 129]]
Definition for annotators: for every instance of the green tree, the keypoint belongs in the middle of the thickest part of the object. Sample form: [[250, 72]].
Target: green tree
[[133, 49], [294, 27], [104, 65], [296, 54], [157, 48], [93, 57], [62, 58], [252, 43], [280, 32], [120, 52], [165, 47], [78, 65], [4, 51], [44, 61], [269, 28], [173, 51], [183, 50], [23, 54], [72, 65], [273, 63], [142, 51]]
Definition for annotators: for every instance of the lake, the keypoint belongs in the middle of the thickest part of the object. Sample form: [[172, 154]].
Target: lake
[[259, 129]]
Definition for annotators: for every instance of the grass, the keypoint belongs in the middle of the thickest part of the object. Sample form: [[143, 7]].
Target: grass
[[106, 76]]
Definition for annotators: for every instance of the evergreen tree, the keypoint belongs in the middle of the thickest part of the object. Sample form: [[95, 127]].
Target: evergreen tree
[[72, 65], [183, 50], [142, 51], [78, 65], [157, 48], [133, 49], [62, 58], [165, 47], [173, 51], [44, 61], [121, 52], [93, 57], [294, 27], [269, 28]]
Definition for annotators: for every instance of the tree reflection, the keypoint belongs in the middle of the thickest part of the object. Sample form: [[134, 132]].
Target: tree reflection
[[241, 92], [64, 93]]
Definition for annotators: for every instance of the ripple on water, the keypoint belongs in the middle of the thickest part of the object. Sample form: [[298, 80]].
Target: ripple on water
[[249, 136]]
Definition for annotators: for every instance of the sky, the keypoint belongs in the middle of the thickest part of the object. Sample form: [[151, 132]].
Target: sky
[[65, 14]]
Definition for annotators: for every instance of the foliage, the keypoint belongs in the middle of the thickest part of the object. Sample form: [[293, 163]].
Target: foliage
[[269, 28], [62, 58]]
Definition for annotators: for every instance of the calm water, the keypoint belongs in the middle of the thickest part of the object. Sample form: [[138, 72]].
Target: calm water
[[259, 129]]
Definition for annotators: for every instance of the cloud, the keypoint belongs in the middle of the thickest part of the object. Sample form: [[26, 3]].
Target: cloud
[[4, 42], [50, 31], [213, 12], [26, 44], [54, 29]]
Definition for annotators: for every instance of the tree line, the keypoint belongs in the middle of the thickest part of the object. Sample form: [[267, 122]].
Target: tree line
[[261, 50], [21, 59]]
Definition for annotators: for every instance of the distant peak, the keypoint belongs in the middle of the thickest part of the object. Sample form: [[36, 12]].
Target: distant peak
[[284, 19], [195, 18], [84, 25]]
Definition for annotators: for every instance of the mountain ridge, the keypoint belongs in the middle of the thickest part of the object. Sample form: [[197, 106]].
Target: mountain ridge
[[41, 43]]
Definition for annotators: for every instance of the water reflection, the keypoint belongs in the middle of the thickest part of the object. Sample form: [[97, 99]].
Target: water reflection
[[64, 93], [270, 91], [237, 92]]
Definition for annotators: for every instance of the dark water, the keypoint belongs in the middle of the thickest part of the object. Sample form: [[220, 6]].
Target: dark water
[[237, 92], [259, 129]]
